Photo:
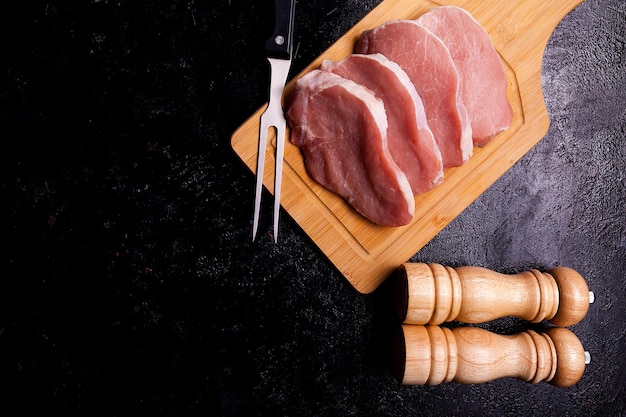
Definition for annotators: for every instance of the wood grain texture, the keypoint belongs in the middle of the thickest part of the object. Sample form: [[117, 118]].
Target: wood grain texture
[[431, 355], [434, 294], [365, 253]]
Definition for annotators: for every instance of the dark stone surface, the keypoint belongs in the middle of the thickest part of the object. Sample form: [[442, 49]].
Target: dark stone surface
[[129, 283]]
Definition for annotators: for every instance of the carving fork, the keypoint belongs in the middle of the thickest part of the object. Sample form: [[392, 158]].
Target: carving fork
[[278, 48]]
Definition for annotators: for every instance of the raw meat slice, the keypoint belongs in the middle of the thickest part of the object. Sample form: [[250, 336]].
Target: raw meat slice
[[410, 140], [428, 63], [483, 80], [342, 130]]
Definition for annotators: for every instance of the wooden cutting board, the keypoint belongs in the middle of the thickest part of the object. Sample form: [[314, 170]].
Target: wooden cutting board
[[365, 253]]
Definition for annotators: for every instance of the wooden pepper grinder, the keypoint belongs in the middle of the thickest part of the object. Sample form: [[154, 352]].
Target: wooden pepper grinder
[[434, 294], [430, 355]]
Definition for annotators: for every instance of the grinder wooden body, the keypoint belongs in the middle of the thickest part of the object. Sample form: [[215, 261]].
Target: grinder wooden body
[[430, 355], [434, 294]]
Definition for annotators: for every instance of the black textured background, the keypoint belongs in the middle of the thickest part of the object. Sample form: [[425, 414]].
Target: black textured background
[[128, 282]]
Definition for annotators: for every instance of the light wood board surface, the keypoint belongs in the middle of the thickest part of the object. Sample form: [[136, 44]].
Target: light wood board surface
[[365, 253]]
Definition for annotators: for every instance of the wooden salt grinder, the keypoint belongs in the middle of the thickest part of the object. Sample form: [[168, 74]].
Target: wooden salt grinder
[[434, 294], [430, 355]]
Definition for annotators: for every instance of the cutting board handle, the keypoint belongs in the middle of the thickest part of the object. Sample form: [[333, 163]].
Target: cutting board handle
[[434, 294], [522, 26]]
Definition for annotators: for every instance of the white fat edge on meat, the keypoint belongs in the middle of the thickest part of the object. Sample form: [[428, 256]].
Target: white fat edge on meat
[[428, 18], [433, 12], [317, 80], [322, 80], [405, 81], [418, 104], [467, 143], [377, 108]]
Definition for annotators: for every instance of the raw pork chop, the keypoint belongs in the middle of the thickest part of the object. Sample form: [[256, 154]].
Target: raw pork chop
[[483, 81], [429, 65], [342, 130], [410, 140]]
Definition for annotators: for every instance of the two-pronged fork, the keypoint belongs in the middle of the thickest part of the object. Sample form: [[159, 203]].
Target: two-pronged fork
[[279, 48]]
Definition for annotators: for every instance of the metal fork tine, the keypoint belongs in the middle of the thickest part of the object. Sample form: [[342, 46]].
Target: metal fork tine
[[278, 172], [259, 173], [273, 116]]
